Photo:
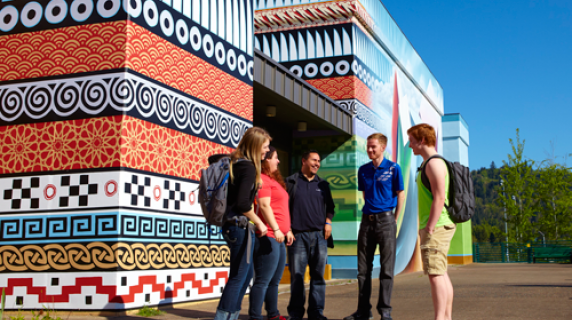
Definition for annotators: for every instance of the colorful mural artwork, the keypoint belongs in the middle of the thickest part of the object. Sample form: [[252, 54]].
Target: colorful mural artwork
[[108, 109], [353, 51]]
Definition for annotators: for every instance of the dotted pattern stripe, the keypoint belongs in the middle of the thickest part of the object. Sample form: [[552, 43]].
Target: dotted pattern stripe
[[161, 60]]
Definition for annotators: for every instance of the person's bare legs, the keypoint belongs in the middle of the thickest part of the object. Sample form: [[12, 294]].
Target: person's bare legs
[[442, 295], [450, 293]]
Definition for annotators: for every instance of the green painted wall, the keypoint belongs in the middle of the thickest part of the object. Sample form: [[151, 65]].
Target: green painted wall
[[462, 243], [341, 157]]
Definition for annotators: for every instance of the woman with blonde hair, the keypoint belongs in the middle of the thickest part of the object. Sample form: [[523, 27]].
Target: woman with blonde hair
[[241, 220], [269, 251]]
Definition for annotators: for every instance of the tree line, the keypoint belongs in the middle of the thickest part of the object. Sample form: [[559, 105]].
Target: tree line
[[523, 200]]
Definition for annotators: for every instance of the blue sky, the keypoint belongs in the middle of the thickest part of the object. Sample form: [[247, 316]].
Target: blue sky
[[503, 65]]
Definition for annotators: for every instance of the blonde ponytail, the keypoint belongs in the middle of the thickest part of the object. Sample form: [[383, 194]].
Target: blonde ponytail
[[249, 148]]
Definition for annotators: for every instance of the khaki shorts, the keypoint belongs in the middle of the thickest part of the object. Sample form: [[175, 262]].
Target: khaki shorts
[[434, 249]]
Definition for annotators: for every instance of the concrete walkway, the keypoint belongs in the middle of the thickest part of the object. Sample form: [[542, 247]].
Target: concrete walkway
[[482, 291]]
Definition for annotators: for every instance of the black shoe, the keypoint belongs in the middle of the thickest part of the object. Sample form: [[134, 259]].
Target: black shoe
[[357, 316], [320, 317]]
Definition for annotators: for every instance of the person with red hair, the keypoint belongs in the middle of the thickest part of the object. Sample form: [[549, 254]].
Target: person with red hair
[[436, 229]]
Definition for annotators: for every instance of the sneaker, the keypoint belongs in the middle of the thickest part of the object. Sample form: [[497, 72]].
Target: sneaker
[[386, 316], [278, 317], [357, 316]]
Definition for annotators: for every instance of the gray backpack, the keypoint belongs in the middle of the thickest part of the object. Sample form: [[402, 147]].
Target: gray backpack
[[213, 189]]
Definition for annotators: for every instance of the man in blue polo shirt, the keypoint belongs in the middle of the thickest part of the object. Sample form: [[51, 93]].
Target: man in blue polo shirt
[[382, 185]]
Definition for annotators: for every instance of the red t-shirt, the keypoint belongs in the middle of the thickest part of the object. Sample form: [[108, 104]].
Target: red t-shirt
[[278, 202]]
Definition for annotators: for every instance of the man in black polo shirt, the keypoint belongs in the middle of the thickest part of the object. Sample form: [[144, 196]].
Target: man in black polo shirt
[[382, 185], [311, 213]]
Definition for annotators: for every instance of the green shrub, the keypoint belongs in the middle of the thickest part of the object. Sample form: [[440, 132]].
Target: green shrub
[[149, 312]]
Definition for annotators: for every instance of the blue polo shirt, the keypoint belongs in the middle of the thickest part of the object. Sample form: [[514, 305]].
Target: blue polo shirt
[[380, 185]]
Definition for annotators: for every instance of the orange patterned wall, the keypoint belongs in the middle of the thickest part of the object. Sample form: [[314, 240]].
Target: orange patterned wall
[[150, 147], [68, 50], [159, 59], [347, 87], [95, 143], [61, 145], [104, 46]]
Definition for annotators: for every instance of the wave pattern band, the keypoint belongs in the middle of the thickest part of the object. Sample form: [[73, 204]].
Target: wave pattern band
[[118, 93]]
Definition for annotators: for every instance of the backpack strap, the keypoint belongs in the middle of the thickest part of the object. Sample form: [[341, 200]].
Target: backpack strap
[[424, 178]]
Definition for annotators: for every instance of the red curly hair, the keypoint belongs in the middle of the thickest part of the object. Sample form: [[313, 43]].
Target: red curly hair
[[423, 131]]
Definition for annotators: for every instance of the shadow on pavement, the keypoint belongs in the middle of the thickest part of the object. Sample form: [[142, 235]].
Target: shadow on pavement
[[126, 317], [540, 285], [193, 314]]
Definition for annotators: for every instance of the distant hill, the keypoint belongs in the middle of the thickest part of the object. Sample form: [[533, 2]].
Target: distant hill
[[488, 221]]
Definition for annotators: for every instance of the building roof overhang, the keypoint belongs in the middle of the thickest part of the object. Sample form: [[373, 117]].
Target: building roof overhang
[[295, 99]]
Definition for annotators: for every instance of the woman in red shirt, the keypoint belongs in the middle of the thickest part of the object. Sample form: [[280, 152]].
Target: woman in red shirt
[[269, 250]]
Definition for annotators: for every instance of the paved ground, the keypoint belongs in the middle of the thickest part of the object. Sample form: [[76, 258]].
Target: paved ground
[[482, 291]]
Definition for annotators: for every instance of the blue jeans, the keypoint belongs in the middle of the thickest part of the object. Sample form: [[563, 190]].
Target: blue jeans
[[241, 270], [269, 262], [309, 248]]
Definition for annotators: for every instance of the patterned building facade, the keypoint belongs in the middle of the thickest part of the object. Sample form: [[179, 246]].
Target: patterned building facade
[[354, 52], [108, 108]]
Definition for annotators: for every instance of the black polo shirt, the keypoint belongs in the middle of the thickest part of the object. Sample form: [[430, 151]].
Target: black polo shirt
[[309, 206]]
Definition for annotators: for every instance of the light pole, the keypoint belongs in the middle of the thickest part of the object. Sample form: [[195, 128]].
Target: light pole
[[543, 238], [505, 222]]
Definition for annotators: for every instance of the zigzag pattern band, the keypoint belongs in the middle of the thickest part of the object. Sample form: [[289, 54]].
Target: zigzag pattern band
[[110, 290]]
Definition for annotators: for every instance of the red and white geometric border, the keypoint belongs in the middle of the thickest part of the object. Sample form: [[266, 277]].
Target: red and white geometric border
[[111, 290]]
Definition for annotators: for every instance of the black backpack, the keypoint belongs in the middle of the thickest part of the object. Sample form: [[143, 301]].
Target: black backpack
[[461, 192]]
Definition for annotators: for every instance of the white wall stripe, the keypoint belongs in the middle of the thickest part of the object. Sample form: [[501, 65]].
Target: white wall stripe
[[232, 20], [249, 27], [283, 48]]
